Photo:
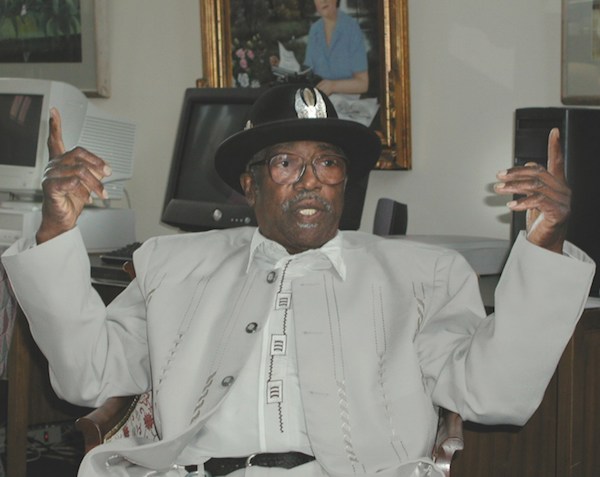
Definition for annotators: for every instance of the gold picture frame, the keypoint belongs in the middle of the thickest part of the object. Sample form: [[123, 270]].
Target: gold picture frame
[[394, 100]]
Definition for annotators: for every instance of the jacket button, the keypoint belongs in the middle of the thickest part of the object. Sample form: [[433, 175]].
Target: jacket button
[[227, 381], [271, 277], [251, 328]]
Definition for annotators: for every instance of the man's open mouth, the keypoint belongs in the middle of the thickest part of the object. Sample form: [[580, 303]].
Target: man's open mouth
[[307, 212]]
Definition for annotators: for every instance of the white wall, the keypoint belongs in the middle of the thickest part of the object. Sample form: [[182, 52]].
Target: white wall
[[472, 64], [155, 54]]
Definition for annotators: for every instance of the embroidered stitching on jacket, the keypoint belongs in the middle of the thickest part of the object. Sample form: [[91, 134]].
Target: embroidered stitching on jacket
[[152, 290], [275, 388], [381, 348], [420, 308], [181, 332], [202, 399], [341, 380]]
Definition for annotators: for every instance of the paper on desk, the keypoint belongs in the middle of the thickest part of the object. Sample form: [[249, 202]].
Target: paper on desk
[[287, 59], [349, 106]]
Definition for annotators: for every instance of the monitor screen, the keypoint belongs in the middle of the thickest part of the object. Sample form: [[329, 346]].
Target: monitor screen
[[208, 126], [197, 199], [25, 105], [20, 117]]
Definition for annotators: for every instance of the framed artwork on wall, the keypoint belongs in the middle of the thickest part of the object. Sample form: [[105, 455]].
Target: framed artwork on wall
[[253, 43], [580, 52], [61, 41]]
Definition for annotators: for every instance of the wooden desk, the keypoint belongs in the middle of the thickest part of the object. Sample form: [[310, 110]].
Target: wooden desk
[[562, 439]]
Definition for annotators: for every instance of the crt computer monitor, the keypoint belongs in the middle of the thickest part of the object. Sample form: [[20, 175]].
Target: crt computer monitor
[[24, 114], [196, 198]]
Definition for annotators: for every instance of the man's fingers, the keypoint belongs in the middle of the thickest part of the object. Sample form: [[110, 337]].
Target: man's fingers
[[531, 180], [70, 186], [70, 179], [553, 176], [545, 195], [57, 149], [556, 163], [529, 186], [56, 146], [541, 202], [84, 164], [80, 172]]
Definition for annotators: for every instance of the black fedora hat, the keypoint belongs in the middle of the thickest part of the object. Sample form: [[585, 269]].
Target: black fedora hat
[[294, 112]]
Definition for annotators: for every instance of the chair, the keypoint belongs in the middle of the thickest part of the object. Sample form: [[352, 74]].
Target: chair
[[449, 439], [118, 417]]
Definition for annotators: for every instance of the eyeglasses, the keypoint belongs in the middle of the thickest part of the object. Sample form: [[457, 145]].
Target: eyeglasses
[[285, 169]]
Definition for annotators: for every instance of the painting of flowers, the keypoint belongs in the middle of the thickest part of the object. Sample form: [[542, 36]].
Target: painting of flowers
[[250, 63]]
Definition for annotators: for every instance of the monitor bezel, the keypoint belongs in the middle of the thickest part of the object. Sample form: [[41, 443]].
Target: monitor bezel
[[176, 212]]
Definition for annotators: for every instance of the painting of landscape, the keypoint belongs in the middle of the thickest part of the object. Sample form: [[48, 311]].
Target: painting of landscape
[[40, 31]]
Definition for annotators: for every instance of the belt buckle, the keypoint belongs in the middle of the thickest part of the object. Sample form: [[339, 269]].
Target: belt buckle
[[249, 459]]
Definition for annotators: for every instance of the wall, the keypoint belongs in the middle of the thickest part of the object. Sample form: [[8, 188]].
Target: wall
[[472, 64], [155, 54]]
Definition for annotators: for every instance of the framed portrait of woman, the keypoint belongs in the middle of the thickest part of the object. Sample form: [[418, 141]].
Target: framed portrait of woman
[[356, 51]]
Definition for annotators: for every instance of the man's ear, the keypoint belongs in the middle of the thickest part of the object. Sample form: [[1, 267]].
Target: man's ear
[[247, 182]]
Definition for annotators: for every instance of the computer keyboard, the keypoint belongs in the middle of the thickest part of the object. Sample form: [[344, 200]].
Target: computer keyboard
[[121, 255]]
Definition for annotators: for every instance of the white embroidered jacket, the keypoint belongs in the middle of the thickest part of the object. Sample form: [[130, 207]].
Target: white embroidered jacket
[[404, 333]]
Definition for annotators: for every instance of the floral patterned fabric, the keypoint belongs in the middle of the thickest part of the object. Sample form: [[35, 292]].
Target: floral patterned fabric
[[141, 421]]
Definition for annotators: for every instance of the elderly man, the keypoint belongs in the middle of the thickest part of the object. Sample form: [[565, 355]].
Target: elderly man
[[317, 352]]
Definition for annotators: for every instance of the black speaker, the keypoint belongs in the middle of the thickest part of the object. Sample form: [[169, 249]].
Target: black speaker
[[391, 218], [580, 138]]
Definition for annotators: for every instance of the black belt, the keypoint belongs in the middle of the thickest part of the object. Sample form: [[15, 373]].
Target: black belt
[[226, 465]]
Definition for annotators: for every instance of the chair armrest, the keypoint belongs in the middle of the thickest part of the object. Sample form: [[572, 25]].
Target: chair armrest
[[449, 439], [103, 422], [130, 269]]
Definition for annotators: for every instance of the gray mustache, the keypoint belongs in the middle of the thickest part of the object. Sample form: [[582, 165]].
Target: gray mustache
[[306, 195]]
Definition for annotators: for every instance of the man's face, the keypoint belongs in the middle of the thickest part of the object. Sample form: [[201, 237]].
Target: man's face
[[299, 216]]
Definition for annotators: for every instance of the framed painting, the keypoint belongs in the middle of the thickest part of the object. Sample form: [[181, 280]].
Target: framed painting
[[61, 41], [580, 66], [253, 43]]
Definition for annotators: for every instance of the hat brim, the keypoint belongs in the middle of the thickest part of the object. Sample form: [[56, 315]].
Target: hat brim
[[361, 145]]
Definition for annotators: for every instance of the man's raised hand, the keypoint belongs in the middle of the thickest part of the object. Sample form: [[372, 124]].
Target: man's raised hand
[[69, 180], [547, 196]]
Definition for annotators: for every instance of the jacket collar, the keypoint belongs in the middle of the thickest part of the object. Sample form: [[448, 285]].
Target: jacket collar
[[275, 255]]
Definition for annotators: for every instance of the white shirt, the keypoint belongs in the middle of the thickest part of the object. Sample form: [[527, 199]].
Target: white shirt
[[264, 412]]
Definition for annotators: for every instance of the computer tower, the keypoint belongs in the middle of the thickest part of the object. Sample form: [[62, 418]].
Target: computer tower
[[580, 138]]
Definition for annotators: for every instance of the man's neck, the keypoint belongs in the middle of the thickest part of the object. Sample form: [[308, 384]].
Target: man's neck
[[294, 249]]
